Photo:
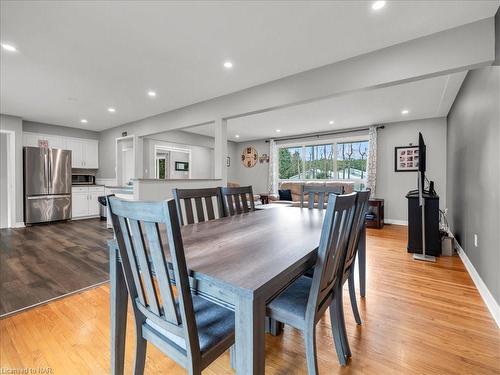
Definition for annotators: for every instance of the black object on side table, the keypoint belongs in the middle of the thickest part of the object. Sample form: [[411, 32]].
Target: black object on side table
[[375, 215]]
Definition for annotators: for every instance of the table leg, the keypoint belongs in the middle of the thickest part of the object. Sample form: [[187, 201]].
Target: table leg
[[250, 335], [362, 261], [119, 301]]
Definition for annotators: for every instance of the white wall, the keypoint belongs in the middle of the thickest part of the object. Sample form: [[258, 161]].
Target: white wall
[[392, 186], [15, 124]]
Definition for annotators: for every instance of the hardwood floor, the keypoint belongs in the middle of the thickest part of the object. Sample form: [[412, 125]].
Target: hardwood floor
[[47, 261], [418, 318]]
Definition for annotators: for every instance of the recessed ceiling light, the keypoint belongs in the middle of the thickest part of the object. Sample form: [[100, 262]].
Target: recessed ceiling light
[[405, 112], [228, 64], [152, 94], [378, 5], [278, 130], [83, 121], [9, 47], [331, 122], [112, 110], [237, 136]]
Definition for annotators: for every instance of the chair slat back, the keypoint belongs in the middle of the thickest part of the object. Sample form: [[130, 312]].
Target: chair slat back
[[137, 230], [357, 226], [184, 199], [237, 200], [332, 248], [321, 192]]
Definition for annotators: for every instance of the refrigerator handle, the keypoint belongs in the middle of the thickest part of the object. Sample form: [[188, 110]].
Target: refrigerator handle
[[46, 169], [50, 170]]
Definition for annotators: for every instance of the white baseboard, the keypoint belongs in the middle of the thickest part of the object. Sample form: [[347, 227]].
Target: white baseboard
[[485, 293], [19, 224], [396, 222]]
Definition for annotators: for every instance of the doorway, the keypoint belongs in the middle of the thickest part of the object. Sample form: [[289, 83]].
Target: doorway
[[125, 160], [7, 180], [162, 164]]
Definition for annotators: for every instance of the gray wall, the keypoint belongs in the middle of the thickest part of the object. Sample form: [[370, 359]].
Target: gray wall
[[16, 124], [256, 176], [392, 186], [473, 159], [64, 131]]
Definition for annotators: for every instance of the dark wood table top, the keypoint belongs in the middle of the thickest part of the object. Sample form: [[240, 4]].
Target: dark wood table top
[[250, 250]]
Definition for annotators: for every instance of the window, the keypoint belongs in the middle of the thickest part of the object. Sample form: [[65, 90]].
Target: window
[[161, 165], [341, 159], [351, 160], [291, 163]]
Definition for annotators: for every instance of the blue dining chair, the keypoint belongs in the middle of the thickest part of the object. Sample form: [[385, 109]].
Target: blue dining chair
[[189, 329], [303, 303]]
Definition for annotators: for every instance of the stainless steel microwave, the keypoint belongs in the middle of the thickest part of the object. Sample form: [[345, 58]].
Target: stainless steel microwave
[[83, 179]]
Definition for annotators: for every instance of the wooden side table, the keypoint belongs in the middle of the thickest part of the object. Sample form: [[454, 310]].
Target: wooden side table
[[375, 215]]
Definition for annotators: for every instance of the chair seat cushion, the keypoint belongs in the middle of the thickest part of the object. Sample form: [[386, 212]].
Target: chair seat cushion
[[215, 324], [291, 304]]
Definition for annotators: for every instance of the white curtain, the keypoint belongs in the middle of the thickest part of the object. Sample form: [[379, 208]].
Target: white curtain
[[371, 168], [273, 168]]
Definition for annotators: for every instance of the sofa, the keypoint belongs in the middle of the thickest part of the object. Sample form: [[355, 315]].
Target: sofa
[[296, 187]]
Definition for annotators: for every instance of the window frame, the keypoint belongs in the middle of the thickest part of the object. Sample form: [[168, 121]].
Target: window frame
[[333, 141]]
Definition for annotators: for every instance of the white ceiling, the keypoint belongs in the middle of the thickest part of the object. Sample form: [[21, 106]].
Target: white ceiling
[[426, 98], [77, 58]]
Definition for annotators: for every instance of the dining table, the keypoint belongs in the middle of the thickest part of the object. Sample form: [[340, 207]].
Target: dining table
[[240, 262]]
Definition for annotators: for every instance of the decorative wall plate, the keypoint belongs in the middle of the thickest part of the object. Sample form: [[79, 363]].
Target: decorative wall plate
[[249, 156]]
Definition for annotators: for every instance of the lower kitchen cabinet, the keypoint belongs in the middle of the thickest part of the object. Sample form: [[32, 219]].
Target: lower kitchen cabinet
[[84, 201]]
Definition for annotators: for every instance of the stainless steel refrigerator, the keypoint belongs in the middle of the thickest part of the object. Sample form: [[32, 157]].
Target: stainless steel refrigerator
[[47, 184]]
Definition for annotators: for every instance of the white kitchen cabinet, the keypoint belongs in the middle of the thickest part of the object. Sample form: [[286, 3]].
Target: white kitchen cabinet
[[79, 205], [84, 152], [84, 201], [90, 153], [76, 148]]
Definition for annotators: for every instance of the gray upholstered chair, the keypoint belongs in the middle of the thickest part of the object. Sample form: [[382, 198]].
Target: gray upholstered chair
[[184, 203], [190, 330], [237, 200], [304, 302], [321, 192]]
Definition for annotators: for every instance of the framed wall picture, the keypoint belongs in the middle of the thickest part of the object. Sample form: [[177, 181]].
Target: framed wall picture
[[182, 166], [406, 159]]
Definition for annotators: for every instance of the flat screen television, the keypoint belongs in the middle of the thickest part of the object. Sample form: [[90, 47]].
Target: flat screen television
[[421, 152], [422, 161]]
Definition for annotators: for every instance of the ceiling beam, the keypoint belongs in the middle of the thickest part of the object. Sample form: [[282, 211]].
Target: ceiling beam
[[462, 48]]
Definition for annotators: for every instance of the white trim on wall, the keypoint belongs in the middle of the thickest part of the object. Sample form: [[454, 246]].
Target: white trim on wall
[[485, 293], [11, 178], [396, 222]]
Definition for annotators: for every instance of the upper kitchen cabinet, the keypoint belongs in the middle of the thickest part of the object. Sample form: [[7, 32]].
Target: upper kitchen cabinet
[[84, 152], [91, 153]]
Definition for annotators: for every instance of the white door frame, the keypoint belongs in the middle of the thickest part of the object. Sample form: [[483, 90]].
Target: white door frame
[[11, 177], [134, 147]]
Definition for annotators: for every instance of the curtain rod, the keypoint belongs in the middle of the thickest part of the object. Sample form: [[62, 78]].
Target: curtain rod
[[309, 135]]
